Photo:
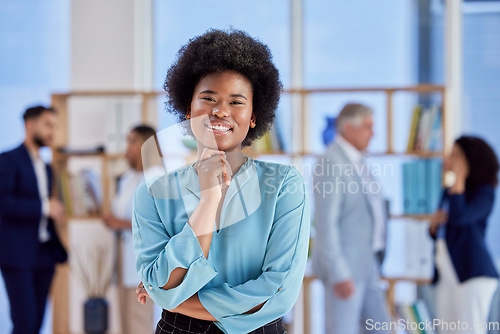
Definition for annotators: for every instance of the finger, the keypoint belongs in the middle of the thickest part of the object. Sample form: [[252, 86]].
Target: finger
[[213, 158], [214, 168], [208, 153], [211, 164], [228, 171], [224, 170]]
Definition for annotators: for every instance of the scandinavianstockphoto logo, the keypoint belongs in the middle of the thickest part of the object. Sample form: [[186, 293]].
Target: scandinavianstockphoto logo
[[322, 177], [334, 178], [431, 325]]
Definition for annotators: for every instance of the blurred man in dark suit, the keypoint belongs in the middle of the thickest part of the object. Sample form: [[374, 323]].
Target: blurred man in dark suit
[[29, 245]]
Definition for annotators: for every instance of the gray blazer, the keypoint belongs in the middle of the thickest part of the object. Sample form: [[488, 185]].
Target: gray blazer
[[343, 243]]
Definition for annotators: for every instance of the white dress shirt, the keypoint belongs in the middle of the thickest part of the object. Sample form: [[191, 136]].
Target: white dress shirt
[[375, 197], [122, 209], [43, 189]]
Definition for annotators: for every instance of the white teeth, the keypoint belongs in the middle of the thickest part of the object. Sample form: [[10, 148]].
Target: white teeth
[[218, 127]]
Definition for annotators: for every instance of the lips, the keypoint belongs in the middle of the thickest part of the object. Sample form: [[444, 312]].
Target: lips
[[219, 127]]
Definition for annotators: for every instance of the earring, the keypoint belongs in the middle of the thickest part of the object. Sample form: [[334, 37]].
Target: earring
[[252, 125], [188, 116]]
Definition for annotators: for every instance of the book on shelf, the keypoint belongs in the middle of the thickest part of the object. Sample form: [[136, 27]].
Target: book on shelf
[[419, 250], [80, 192], [271, 141], [434, 180], [416, 316], [406, 312], [414, 127], [425, 129], [423, 316], [421, 186], [410, 251], [421, 194]]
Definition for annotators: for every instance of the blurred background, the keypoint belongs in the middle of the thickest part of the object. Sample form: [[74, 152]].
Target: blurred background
[[106, 62]]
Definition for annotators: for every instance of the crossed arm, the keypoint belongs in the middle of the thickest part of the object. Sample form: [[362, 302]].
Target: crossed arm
[[174, 280], [192, 307]]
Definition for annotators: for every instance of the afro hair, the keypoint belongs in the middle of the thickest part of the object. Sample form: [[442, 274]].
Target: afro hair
[[217, 51]]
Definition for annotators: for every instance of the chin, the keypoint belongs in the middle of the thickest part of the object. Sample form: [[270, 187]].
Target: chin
[[364, 147], [218, 147], [218, 144]]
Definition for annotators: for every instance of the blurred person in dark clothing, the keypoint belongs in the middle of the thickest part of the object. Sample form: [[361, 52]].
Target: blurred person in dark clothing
[[465, 274], [29, 245]]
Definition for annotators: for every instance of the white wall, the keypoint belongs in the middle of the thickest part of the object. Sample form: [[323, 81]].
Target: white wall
[[109, 52], [102, 44], [111, 44], [34, 57]]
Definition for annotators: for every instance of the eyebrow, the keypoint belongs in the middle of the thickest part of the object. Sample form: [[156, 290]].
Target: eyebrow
[[208, 91]]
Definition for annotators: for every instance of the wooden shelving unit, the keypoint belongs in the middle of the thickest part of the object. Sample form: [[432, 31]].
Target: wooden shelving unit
[[148, 108], [61, 102], [389, 112]]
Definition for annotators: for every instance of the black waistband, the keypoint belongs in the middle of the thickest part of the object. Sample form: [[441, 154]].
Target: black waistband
[[183, 322]]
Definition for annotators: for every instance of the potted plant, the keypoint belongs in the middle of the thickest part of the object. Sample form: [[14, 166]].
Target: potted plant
[[95, 273]]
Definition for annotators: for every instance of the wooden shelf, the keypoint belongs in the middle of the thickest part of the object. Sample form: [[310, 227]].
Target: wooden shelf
[[115, 156], [65, 155], [407, 279], [415, 217], [391, 291], [426, 154], [421, 88], [300, 134], [85, 217], [423, 154], [368, 154], [63, 297]]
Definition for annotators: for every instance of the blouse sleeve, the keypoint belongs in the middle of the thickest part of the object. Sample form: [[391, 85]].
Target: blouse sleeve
[[158, 254], [282, 272]]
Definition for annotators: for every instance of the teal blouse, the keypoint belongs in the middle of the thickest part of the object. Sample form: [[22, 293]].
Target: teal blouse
[[258, 255]]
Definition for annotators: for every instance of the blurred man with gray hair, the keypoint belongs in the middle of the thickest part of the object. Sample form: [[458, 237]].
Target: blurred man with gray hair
[[350, 219]]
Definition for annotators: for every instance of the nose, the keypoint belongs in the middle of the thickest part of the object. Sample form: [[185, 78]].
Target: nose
[[220, 111]]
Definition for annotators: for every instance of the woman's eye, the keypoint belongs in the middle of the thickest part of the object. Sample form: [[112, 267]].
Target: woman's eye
[[236, 102], [208, 98]]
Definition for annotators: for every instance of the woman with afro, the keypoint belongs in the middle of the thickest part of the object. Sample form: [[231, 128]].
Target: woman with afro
[[221, 244]]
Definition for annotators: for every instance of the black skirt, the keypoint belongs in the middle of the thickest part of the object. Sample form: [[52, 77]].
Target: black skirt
[[176, 323]]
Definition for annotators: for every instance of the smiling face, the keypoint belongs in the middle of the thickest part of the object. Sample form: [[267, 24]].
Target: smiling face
[[221, 111]]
